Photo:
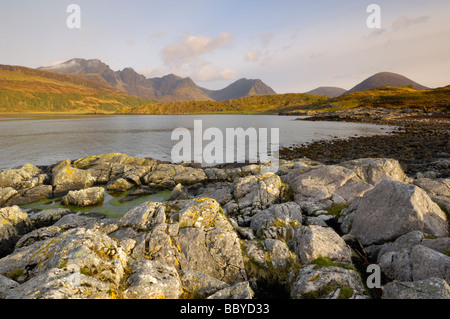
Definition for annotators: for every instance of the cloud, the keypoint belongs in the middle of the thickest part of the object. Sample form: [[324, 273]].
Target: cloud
[[405, 22], [252, 56], [265, 39], [191, 48], [208, 73]]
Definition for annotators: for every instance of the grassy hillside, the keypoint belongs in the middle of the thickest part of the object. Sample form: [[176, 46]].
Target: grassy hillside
[[432, 100], [28, 90], [252, 104]]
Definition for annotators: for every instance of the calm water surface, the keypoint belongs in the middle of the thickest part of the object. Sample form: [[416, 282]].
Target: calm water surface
[[48, 139]]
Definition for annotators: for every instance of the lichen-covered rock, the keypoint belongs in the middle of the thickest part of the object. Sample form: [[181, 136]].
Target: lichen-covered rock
[[6, 286], [326, 186], [68, 178], [240, 290], [47, 217], [62, 283], [431, 288], [119, 185], [169, 175], [392, 209], [311, 242], [199, 285], [144, 216], [327, 283], [26, 176], [84, 197], [427, 263], [13, 224], [34, 194], [94, 253], [279, 221], [215, 252], [152, 280], [7, 196], [376, 170]]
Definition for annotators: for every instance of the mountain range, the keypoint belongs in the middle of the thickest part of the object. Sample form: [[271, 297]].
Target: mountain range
[[169, 88], [382, 79]]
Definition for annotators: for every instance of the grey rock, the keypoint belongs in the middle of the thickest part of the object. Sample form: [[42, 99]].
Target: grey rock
[[144, 216], [7, 196], [240, 290], [179, 192], [152, 280], [38, 235], [6, 285], [64, 283], [221, 192], [438, 187], [278, 221], [322, 184], [13, 224], [119, 185], [431, 288], [26, 176], [169, 175], [84, 197], [35, 194], [48, 217], [257, 192], [215, 252], [375, 170], [68, 178], [427, 263], [311, 242], [199, 285], [392, 209], [95, 253], [312, 281]]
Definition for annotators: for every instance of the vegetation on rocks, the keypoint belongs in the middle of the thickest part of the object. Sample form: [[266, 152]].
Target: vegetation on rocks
[[234, 232]]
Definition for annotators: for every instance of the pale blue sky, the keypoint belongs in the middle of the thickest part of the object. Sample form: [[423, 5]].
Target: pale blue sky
[[292, 45]]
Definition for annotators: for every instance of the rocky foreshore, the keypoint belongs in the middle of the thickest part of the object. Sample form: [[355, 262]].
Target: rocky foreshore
[[310, 230], [420, 141]]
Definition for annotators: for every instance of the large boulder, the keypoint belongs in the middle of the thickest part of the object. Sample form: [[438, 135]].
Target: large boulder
[[431, 288], [26, 176], [327, 283], [376, 170], [68, 178], [189, 234], [84, 198], [152, 280], [94, 254], [169, 175], [34, 194], [326, 186], [279, 221], [312, 242], [13, 224], [253, 194], [7, 196], [392, 209]]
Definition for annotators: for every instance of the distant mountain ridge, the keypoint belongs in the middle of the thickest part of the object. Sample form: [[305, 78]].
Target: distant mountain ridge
[[30, 90], [328, 91], [169, 88], [385, 79]]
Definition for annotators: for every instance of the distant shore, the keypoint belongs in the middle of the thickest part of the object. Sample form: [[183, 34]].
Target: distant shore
[[421, 142]]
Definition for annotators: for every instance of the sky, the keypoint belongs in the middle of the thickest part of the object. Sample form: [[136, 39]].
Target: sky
[[292, 45]]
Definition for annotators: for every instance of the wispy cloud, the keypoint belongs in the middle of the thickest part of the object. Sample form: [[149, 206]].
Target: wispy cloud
[[191, 48], [188, 56], [405, 22]]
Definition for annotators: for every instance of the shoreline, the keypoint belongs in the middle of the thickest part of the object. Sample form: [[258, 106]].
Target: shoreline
[[421, 142]]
